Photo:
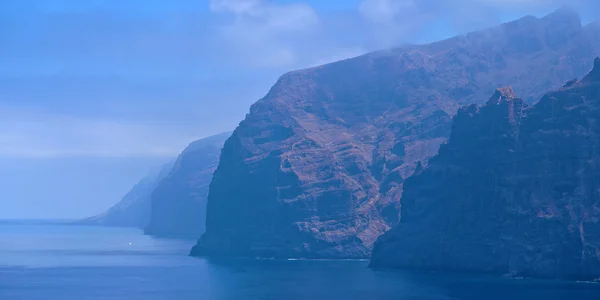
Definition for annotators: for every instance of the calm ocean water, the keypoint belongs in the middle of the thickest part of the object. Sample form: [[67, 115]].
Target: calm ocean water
[[51, 262]]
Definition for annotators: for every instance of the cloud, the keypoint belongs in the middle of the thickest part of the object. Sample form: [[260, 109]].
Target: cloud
[[274, 17], [392, 10], [235, 6], [386, 11], [397, 20], [259, 31], [93, 72], [393, 20], [339, 55], [116, 84], [34, 134], [522, 3]]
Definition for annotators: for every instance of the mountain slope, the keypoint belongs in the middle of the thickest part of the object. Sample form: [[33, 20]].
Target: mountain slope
[[317, 167], [134, 208], [179, 200], [516, 190]]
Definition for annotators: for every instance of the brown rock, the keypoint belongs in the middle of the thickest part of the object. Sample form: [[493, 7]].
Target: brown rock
[[516, 190], [317, 167]]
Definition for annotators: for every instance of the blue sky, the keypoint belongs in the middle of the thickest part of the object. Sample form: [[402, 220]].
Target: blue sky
[[95, 93]]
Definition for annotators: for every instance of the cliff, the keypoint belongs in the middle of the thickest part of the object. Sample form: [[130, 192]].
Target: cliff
[[516, 190], [134, 208], [317, 168], [179, 200]]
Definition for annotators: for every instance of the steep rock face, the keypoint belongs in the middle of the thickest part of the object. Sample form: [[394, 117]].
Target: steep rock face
[[179, 200], [134, 208], [516, 190], [317, 167]]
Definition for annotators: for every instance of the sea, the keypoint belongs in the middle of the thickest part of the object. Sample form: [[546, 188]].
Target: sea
[[61, 262]]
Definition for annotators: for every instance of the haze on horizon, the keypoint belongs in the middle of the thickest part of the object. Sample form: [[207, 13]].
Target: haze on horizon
[[95, 94]]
